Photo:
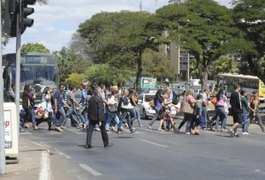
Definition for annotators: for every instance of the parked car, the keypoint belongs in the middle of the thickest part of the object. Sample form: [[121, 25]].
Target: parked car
[[146, 111]]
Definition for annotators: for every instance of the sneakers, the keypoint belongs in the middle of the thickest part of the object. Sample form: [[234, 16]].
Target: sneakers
[[231, 132], [97, 129], [62, 127], [237, 135], [149, 127], [245, 133], [108, 145], [35, 127], [187, 133], [58, 129], [132, 131]]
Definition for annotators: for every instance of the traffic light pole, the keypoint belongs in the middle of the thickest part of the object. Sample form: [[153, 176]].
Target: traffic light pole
[[17, 83], [2, 130]]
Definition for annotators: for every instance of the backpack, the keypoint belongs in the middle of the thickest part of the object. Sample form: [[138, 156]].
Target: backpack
[[175, 99]]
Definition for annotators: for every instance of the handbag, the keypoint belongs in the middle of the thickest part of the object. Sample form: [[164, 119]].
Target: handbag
[[187, 108]]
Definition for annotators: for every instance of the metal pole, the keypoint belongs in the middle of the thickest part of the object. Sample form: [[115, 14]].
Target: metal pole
[[17, 86], [2, 130], [188, 67]]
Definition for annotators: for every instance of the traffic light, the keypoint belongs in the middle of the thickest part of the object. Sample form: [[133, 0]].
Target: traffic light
[[10, 17], [25, 11]]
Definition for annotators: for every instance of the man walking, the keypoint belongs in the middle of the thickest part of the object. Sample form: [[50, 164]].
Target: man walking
[[96, 116], [236, 109]]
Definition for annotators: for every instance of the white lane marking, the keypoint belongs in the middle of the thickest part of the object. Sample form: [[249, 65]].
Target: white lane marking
[[44, 145], [153, 143], [45, 166], [90, 170], [259, 171], [62, 154]]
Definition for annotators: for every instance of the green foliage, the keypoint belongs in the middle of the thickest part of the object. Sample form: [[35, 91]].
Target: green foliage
[[75, 79], [249, 15], [69, 62], [224, 65], [105, 74], [156, 64], [201, 27], [34, 47], [119, 39]]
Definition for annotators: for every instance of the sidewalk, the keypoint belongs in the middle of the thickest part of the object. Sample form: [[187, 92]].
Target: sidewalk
[[29, 162]]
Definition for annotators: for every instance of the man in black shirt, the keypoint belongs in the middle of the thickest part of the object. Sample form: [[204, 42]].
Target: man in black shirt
[[236, 109]]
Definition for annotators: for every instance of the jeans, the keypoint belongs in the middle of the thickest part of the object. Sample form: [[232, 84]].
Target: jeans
[[245, 121], [222, 115], [129, 114], [204, 117], [137, 116], [187, 119], [61, 117], [257, 118], [111, 116], [154, 118], [33, 119]]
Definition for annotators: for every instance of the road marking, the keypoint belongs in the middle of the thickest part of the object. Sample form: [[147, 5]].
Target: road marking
[[90, 170], [62, 154], [45, 166], [259, 171], [153, 143], [25, 133]]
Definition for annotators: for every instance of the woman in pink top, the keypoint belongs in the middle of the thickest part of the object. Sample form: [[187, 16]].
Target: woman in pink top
[[220, 110]]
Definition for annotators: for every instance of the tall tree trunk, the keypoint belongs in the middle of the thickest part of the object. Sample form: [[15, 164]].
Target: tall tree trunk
[[204, 78], [139, 70]]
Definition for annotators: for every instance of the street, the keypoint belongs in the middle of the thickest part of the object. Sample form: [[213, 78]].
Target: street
[[150, 154]]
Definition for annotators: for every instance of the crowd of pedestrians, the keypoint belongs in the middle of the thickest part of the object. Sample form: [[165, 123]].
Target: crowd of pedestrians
[[118, 108]]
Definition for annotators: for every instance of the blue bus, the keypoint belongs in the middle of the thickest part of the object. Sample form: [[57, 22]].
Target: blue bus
[[37, 70]]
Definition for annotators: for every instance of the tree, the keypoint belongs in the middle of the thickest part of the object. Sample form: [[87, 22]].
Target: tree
[[105, 74], [80, 46], [203, 28], [156, 64], [119, 39], [75, 79], [224, 65], [250, 17], [34, 47], [69, 62]]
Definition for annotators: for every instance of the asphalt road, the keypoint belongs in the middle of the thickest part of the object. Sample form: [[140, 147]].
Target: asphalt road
[[150, 154]]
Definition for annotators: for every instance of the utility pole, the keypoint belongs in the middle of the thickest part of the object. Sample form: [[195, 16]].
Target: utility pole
[[2, 130]]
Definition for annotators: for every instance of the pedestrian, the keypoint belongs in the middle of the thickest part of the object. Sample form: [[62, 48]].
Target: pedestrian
[[187, 107], [245, 112], [28, 106], [220, 110], [236, 110], [205, 104], [59, 102], [254, 111], [158, 100], [96, 116]]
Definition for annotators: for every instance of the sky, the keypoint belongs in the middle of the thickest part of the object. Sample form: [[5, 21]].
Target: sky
[[55, 23]]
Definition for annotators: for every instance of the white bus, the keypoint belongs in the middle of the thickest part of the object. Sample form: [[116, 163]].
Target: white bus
[[247, 83]]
